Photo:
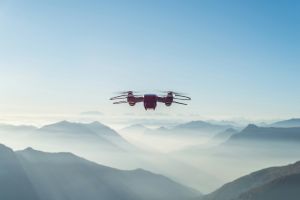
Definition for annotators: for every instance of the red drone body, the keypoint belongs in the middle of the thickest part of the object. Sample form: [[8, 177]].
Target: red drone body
[[150, 100]]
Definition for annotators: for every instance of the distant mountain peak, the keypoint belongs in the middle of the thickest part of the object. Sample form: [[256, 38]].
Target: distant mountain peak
[[141, 170], [66, 126], [96, 130], [60, 123], [33, 152], [251, 126], [63, 122], [201, 125], [135, 128], [194, 124], [68, 123], [96, 123], [10, 127], [72, 125], [29, 149], [198, 122]]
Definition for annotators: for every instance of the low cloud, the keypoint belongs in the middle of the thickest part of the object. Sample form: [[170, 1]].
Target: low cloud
[[91, 113]]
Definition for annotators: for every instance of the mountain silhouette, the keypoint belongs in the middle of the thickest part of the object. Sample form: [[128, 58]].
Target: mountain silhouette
[[202, 126], [270, 183], [286, 187], [135, 128], [21, 128], [224, 135], [36, 175], [263, 134], [102, 134], [189, 129], [287, 123], [66, 127], [14, 182]]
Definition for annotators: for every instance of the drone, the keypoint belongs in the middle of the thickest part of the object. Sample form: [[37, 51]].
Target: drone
[[150, 100]]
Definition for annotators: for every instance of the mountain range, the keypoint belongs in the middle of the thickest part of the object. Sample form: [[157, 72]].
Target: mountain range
[[224, 135], [135, 128], [106, 136], [66, 127], [20, 128], [202, 125], [36, 175], [252, 142], [193, 128], [266, 134]]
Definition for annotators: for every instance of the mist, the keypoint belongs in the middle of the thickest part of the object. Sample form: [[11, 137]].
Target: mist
[[196, 158]]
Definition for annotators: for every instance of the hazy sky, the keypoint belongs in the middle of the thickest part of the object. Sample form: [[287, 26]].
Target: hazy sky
[[235, 58]]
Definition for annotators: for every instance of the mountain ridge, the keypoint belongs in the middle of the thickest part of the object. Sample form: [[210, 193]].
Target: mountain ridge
[[63, 175], [245, 184], [253, 132], [294, 122]]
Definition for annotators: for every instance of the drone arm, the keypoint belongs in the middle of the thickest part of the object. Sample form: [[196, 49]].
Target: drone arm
[[139, 99], [161, 99]]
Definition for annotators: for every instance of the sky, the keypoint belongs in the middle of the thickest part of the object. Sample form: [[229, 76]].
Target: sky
[[65, 59]]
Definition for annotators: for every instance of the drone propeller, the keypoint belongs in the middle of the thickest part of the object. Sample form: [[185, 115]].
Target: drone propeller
[[127, 92], [184, 98], [174, 93], [180, 103], [119, 97], [120, 102], [178, 94]]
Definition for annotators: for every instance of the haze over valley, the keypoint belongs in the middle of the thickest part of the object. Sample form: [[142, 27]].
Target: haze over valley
[[200, 148]]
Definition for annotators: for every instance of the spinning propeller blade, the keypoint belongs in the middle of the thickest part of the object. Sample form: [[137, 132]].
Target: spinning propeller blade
[[128, 92], [174, 93], [119, 102], [180, 103], [119, 97], [184, 98], [178, 94]]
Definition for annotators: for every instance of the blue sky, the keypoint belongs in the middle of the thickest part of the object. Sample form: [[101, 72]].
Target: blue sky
[[237, 59]]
